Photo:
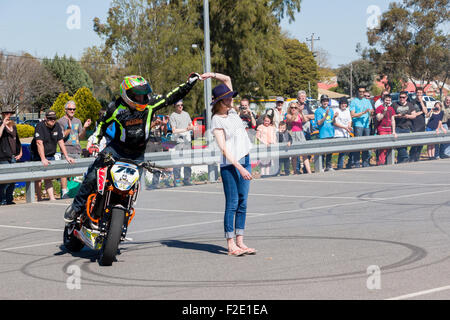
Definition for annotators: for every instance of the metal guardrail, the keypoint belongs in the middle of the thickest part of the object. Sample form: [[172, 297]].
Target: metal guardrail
[[31, 171]]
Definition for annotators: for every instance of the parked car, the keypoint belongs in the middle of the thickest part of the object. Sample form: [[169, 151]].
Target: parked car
[[16, 120], [32, 122], [198, 134], [429, 102]]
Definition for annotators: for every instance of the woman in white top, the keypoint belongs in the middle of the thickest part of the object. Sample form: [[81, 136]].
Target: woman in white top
[[235, 168]]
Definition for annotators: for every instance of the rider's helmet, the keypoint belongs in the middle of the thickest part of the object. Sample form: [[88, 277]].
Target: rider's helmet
[[135, 91]]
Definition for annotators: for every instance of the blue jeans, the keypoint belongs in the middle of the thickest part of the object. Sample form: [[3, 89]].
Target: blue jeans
[[236, 192], [340, 164], [444, 148], [7, 190], [90, 179], [356, 156], [286, 162], [402, 153]]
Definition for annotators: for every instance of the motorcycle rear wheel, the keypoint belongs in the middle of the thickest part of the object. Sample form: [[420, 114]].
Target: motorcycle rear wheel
[[72, 243], [111, 243]]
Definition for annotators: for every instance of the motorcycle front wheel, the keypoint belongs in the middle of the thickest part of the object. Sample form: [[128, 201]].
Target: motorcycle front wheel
[[111, 243]]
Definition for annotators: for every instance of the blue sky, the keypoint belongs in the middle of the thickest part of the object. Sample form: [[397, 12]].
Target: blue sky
[[40, 27]]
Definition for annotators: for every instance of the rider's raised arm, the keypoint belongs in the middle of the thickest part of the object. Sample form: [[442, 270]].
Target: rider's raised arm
[[161, 101]]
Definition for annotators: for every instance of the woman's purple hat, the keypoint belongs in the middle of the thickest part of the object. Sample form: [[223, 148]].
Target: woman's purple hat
[[222, 92]]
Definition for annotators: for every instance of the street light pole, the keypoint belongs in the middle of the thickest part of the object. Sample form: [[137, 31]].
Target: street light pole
[[208, 88], [212, 169]]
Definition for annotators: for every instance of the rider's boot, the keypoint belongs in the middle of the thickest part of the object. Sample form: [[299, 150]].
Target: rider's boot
[[70, 214]]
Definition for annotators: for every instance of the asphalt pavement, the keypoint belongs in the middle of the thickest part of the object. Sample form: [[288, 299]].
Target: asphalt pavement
[[360, 234]]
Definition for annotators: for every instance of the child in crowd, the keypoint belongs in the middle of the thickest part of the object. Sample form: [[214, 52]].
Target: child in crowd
[[343, 127], [434, 123], [266, 134], [284, 136]]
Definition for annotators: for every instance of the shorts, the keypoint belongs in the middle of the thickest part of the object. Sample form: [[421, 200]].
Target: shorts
[[297, 136]]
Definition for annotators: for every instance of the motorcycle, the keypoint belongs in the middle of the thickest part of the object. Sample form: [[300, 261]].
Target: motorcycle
[[109, 210]]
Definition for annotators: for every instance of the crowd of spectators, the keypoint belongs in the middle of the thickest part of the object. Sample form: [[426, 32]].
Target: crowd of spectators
[[360, 117], [293, 122]]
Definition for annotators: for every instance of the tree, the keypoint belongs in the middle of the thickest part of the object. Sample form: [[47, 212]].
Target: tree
[[362, 75], [411, 42], [69, 72], [154, 38], [25, 84], [302, 70], [106, 75], [87, 106]]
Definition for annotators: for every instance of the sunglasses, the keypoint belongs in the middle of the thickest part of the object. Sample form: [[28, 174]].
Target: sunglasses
[[71, 109]]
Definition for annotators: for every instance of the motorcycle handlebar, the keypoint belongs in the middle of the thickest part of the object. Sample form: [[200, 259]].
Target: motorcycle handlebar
[[149, 166]]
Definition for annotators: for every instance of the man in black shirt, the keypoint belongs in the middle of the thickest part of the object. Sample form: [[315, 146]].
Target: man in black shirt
[[43, 148], [404, 114], [418, 123]]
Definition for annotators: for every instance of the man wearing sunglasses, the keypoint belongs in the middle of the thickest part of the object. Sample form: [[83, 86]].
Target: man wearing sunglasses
[[404, 114], [73, 131]]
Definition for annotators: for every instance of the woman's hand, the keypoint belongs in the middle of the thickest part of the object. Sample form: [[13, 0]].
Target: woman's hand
[[244, 173]]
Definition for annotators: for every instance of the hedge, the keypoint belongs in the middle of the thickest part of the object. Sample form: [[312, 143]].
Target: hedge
[[25, 130]]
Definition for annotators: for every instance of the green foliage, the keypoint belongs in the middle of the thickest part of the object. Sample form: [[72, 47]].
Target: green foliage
[[363, 75], [412, 41], [60, 102], [69, 72], [154, 39], [25, 130], [87, 106], [302, 70], [106, 76]]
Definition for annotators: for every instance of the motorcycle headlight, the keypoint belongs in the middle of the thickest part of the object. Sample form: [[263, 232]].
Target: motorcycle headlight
[[124, 176]]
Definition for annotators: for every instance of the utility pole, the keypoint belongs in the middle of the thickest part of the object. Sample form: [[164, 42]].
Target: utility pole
[[351, 80], [212, 168], [312, 43]]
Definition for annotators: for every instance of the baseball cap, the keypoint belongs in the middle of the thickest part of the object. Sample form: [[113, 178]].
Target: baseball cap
[[324, 97], [50, 114]]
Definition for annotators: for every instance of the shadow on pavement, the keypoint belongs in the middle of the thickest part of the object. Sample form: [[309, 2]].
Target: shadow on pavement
[[212, 248]]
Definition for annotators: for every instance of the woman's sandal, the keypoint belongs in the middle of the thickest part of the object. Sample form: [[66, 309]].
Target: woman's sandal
[[249, 251], [237, 253]]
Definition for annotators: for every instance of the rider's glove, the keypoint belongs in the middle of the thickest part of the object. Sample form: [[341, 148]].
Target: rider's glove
[[193, 77]]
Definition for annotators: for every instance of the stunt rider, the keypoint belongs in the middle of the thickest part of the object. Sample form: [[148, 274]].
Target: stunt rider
[[130, 117]]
